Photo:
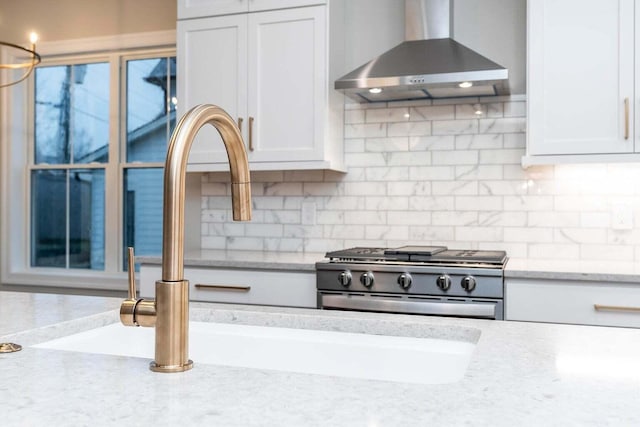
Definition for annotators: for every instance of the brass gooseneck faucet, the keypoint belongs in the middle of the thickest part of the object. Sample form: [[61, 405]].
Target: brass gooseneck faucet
[[169, 312]]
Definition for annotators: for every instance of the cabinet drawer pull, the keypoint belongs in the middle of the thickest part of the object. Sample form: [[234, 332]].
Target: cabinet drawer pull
[[600, 307], [240, 120], [626, 118], [251, 119], [232, 288]]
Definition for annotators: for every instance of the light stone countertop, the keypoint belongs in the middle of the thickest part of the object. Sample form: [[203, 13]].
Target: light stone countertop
[[521, 374], [517, 268], [267, 260]]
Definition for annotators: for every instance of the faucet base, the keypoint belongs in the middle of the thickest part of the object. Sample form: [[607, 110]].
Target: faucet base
[[171, 368]]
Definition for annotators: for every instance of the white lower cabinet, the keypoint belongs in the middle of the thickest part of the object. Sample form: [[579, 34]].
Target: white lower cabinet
[[576, 302], [240, 286]]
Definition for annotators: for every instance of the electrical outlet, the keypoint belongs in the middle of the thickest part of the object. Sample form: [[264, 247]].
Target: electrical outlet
[[622, 217], [308, 213]]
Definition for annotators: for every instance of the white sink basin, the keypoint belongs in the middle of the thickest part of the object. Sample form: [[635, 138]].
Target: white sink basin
[[345, 354]]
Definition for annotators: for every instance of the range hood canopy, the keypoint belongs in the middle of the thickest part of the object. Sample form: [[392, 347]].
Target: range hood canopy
[[428, 65]]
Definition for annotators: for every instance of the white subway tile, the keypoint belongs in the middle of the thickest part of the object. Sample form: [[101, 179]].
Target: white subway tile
[[368, 130], [267, 202], [577, 236], [528, 203], [214, 215], [478, 172], [495, 109], [454, 218], [409, 158], [214, 189], [431, 203], [409, 129], [218, 202], [478, 203], [340, 231], [282, 217], [477, 142], [245, 243], [302, 231], [455, 188], [263, 230], [471, 111], [355, 145], [503, 188], [453, 158], [409, 188], [387, 144], [390, 203], [432, 143], [478, 234], [592, 219], [606, 252], [354, 116], [384, 232], [283, 245], [387, 174], [366, 217], [409, 218], [554, 251], [502, 157], [364, 159], [455, 127], [387, 115], [431, 233], [502, 219], [265, 176], [528, 234], [283, 189], [430, 173], [213, 242], [321, 188], [330, 217], [505, 125], [442, 112], [553, 219], [364, 189], [514, 140]]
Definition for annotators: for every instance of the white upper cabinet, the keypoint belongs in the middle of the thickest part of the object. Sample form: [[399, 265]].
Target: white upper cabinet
[[201, 8], [580, 81], [270, 71]]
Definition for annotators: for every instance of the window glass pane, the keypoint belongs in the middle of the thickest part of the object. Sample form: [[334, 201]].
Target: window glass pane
[[72, 114], [86, 218], [67, 214], [143, 211], [151, 108], [48, 218]]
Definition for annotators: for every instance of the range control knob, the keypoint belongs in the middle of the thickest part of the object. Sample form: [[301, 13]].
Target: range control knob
[[405, 280], [367, 279], [468, 283], [344, 278], [444, 282]]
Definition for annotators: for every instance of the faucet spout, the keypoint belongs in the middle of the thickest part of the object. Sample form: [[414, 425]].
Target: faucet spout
[[169, 312], [175, 178]]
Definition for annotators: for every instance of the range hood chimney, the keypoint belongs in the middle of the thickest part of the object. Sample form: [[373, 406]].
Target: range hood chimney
[[429, 64]]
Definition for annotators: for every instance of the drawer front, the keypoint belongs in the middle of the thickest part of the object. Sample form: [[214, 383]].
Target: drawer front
[[603, 304], [262, 287]]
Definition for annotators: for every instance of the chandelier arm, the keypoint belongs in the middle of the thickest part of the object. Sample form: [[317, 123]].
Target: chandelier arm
[[29, 66]]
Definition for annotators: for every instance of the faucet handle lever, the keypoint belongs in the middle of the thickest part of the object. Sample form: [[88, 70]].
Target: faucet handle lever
[[128, 306], [132, 273]]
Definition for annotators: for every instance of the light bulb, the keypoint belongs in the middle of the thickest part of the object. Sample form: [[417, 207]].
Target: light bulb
[[33, 37], [375, 90], [465, 84]]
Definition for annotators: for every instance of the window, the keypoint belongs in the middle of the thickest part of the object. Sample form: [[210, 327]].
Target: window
[[99, 142]]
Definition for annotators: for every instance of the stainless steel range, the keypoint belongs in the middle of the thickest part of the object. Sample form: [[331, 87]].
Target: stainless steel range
[[431, 280]]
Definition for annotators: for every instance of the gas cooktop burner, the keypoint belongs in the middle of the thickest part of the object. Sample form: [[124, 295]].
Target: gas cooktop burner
[[430, 255]]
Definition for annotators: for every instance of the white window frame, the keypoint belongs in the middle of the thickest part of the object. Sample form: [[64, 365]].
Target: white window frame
[[16, 135]]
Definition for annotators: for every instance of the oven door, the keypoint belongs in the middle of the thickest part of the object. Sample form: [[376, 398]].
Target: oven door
[[479, 308]]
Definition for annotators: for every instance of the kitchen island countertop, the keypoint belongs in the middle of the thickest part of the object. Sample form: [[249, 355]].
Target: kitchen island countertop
[[521, 374]]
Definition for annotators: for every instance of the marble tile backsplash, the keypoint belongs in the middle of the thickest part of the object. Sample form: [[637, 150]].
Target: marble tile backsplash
[[436, 173]]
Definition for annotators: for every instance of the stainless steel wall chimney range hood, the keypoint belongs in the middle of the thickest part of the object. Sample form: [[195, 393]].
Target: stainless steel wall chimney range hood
[[429, 64]]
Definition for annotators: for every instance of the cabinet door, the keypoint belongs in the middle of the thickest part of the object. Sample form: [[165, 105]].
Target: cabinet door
[[287, 84], [212, 67], [203, 8], [580, 76], [261, 5]]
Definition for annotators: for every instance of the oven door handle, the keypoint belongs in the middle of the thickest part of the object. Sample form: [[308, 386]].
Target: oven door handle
[[486, 310]]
